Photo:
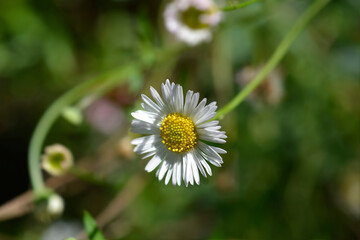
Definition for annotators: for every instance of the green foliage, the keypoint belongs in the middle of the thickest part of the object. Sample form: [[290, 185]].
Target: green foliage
[[91, 229]]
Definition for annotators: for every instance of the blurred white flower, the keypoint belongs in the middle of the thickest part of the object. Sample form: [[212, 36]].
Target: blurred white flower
[[57, 159], [176, 131], [191, 21]]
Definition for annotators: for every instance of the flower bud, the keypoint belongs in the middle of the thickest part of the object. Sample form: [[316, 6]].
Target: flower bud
[[57, 159], [49, 208]]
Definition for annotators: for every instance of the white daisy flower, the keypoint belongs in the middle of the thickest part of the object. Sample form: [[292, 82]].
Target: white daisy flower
[[177, 131], [191, 20]]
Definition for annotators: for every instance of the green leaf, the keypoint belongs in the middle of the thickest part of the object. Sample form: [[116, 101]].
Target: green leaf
[[91, 229]]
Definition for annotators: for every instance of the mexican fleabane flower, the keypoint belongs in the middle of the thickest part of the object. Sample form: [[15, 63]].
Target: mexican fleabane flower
[[177, 134], [191, 21]]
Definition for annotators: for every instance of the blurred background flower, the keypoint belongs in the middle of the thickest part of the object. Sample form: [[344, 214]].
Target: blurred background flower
[[57, 159], [191, 21]]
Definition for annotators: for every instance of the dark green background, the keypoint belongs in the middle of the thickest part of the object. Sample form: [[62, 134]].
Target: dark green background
[[289, 166]]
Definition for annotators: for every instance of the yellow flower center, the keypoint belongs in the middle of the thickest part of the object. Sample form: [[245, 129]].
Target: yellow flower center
[[178, 133], [191, 17]]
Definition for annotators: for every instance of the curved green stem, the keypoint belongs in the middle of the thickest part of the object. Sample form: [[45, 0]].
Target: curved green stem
[[97, 85], [240, 5], [276, 57]]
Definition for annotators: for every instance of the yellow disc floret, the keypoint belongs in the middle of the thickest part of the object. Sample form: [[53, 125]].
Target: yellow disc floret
[[192, 18], [178, 133]]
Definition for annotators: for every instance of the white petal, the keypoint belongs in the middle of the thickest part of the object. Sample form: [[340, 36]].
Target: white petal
[[205, 114], [141, 127], [165, 90], [150, 103], [178, 174], [168, 175], [174, 174], [193, 103], [198, 159], [212, 128], [147, 108], [198, 108], [189, 173], [194, 168], [205, 117], [188, 99], [147, 144], [208, 124], [205, 133], [146, 116], [157, 97], [209, 150], [179, 100], [162, 170], [149, 154], [206, 166], [144, 149], [184, 161], [167, 82], [218, 150], [211, 139], [211, 160], [143, 140], [153, 163]]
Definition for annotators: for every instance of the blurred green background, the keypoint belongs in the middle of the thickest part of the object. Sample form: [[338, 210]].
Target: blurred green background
[[293, 166]]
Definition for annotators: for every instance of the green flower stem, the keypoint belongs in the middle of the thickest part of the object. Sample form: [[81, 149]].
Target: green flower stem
[[240, 5], [97, 85], [276, 57]]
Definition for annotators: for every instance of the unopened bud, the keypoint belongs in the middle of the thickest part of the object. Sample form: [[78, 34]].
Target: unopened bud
[[49, 208], [57, 159]]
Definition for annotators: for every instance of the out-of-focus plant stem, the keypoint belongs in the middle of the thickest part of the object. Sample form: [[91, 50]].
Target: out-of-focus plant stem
[[240, 5], [97, 85], [279, 53]]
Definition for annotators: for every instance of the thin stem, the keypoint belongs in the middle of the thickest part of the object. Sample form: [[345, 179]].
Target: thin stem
[[276, 57], [240, 5], [97, 85]]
